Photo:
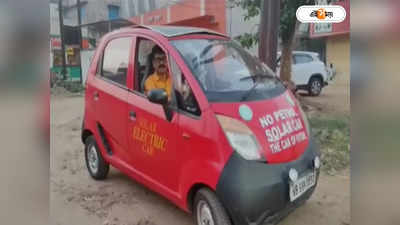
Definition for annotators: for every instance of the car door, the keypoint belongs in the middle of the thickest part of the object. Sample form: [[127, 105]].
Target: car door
[[301, 69], [152, 137], [110, 95]]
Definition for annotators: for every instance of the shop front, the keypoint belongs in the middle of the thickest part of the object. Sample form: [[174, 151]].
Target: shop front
[[72, 58], [77, 58], [337, 40]]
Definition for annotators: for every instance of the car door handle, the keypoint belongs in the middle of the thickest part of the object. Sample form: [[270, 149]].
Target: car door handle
[[185, 135], [96, 96], [132, 115]]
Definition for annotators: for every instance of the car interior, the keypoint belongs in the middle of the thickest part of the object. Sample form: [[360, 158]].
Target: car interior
[[145, 69], [144, 63]]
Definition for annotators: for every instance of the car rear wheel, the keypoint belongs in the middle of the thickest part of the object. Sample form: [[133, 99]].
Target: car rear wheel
[[315, 86], [208, 210], [98, 168]]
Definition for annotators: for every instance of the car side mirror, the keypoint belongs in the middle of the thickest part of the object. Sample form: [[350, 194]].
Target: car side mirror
[[160, 96]]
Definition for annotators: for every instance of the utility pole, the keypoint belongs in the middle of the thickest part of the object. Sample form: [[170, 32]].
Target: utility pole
[[61, 20], [78, 7], [269, 27]]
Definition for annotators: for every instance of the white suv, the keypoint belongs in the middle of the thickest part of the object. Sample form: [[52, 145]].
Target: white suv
[[308, 72]]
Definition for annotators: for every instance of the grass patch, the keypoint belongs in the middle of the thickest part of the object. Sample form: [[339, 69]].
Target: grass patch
[[333, 135]]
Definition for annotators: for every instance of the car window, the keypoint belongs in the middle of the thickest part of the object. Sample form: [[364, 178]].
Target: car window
[[116, 60], [143, 65], [300, 59], [185, 98], [225, 71]]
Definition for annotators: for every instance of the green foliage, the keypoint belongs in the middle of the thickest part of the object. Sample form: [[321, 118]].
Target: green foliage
[[247, 40], [287, 18], [252, 7], [333, 136]]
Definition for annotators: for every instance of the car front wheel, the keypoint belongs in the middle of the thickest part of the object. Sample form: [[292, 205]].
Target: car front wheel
[[315, 86], [98, 168], [208, 210]]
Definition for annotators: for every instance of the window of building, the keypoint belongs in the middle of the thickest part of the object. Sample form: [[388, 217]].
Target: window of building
[[152, 5], [57, 57], [83, 12], [113, 12], [141, 7], [300, 59], [116, 60], [73, 56]]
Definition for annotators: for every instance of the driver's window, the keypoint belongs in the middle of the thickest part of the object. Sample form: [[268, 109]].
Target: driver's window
[[152, 68], [185, 98]]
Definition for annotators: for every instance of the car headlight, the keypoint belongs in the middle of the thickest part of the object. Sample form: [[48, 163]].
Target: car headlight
[[241, 138]]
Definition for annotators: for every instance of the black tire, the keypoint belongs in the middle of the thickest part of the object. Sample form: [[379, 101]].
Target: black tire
[[315, 86], [218, 212], [102, 166]]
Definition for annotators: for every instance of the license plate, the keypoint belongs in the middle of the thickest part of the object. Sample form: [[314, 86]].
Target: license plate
[[301, 185]]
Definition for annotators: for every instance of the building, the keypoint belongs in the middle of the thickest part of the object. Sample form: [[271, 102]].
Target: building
[[97, 18], [336, 39], [218, 15], [200, 13], [332, 41]]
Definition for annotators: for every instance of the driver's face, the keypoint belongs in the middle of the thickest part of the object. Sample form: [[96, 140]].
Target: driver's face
[[160, 63]]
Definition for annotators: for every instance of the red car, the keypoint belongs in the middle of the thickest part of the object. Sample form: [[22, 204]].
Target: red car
[[193, 116]]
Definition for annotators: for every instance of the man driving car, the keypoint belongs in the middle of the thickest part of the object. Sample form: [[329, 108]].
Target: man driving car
[[160, 78]]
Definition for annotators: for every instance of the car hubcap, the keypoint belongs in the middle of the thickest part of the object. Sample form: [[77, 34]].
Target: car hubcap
[[315, 87], [93, 160], [204, 216]]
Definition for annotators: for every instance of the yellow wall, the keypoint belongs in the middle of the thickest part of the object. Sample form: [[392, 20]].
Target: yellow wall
[[338, 53]]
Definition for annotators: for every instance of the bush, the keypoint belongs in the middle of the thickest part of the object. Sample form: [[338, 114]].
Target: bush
[[333, 135]]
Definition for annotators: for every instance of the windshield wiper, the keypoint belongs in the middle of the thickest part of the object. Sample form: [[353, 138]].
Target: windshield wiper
[[248, 93], [256, 82]]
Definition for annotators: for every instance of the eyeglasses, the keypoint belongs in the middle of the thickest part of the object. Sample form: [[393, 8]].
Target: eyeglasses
[[160, 58]]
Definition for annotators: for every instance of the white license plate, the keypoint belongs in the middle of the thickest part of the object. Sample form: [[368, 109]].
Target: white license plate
[[301, 185]]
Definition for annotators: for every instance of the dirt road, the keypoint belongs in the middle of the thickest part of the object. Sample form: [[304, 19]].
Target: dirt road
[[334, 98], [77, 199]]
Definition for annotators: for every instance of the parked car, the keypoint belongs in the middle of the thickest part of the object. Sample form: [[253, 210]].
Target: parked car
[[309, 72], [226, 141]]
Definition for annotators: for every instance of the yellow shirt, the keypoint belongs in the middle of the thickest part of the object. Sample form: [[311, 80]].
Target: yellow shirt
[[154, 81]]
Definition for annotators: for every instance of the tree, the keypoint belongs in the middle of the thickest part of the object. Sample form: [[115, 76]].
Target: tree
[[287, 28]]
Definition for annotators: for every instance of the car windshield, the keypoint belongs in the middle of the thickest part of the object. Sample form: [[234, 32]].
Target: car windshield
[[226, 72]]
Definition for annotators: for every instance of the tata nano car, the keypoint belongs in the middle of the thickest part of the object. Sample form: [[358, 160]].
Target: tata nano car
[[225, 141]]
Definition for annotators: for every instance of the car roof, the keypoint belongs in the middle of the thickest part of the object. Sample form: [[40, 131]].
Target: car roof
[[172, 31]]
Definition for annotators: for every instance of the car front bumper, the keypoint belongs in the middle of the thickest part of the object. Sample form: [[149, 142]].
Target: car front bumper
[[256, 193]]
